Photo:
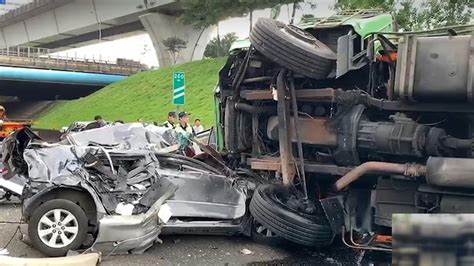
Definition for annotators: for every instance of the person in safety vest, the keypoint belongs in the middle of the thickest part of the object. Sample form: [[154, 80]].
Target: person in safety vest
[[171, 122], [183, 125]]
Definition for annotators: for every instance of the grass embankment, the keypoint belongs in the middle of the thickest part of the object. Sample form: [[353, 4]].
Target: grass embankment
[[146, 95]]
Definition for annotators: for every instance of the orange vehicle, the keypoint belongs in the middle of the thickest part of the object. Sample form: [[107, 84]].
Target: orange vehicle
[[10, 126]]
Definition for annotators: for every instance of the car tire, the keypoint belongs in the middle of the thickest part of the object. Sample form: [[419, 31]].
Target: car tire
[[57, 226], [292, 48], [262, 235], [267, 208]]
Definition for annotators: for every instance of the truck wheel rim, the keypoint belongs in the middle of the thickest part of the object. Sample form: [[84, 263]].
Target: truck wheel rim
[[300, 34], [58, 228]]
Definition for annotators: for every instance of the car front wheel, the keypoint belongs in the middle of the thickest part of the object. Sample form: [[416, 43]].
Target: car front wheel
[[263, 235], [57, 226]]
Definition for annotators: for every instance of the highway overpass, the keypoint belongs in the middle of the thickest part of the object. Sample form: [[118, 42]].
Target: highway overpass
[[39, 74], [41, 84], [68, 24]]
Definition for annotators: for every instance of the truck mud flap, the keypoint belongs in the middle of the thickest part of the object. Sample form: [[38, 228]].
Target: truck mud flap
[[334, 210]]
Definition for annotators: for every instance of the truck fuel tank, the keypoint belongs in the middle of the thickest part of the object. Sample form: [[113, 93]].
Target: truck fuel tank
[[435, 69]]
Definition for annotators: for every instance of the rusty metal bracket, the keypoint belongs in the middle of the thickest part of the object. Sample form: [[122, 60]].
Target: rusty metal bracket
[[365, 246], [286, 154], [334, 210], [319, 95]]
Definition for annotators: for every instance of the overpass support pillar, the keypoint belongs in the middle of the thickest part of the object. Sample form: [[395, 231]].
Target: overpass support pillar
[[160, 27]]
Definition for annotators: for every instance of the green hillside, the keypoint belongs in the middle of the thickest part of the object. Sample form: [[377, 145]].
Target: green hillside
[[146, 95]]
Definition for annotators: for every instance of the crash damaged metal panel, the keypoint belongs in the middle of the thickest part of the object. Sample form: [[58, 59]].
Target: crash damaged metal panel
[[119, 234], [126, 137], [128, 184], [205, 195], [13, 185], [55, 164], [200, 194]]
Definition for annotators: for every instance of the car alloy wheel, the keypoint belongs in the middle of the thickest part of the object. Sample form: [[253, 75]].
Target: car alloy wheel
[[263, 231], [58, 228]]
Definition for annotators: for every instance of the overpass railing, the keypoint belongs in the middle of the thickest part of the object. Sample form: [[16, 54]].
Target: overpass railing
[[23, 11], [36, 57]]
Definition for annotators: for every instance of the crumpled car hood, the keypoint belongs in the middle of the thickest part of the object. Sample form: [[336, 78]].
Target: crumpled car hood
[[126, 177], [55, 164], [126, 137]]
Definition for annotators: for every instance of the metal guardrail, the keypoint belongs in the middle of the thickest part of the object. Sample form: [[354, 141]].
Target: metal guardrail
[[50, 59]]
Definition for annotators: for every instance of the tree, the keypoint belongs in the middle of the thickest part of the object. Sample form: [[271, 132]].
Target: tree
[[220, 46], [296, 6], [431, 14], [174, 45], [248, 6], [442, 13], [276, 10], [386, 5], [407, 16], [204, 13]]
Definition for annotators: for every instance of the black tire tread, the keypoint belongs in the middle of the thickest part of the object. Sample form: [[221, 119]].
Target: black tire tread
[[290, 231], [267, 40], [288, 225], [290, 58], [294, 58], [266, 29]]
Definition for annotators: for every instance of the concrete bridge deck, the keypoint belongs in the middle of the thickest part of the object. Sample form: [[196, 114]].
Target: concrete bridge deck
[[30, 57], [66, 24]]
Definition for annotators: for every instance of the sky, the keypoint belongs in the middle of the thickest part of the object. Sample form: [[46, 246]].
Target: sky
[[140, 47]]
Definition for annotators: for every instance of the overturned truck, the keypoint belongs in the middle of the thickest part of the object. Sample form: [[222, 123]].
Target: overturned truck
[[351, 122], [326, 130]]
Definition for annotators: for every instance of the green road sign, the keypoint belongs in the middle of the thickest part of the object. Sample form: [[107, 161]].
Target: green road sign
[[179, 84]]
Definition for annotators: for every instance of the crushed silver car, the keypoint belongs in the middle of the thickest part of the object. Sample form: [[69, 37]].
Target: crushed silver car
[[116, 195]]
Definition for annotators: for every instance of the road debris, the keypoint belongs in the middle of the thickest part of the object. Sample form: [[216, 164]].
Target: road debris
[[4, 252], [246, 251]]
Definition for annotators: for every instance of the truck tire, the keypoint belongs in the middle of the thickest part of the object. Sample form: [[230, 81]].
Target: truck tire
[[267, 208], [57, 226], [292, 48]]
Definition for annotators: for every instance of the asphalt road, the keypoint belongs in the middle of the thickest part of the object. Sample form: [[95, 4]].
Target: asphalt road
[[203, 250]]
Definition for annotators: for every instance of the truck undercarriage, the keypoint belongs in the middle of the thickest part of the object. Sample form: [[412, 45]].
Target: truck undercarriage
[[350, 146]]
